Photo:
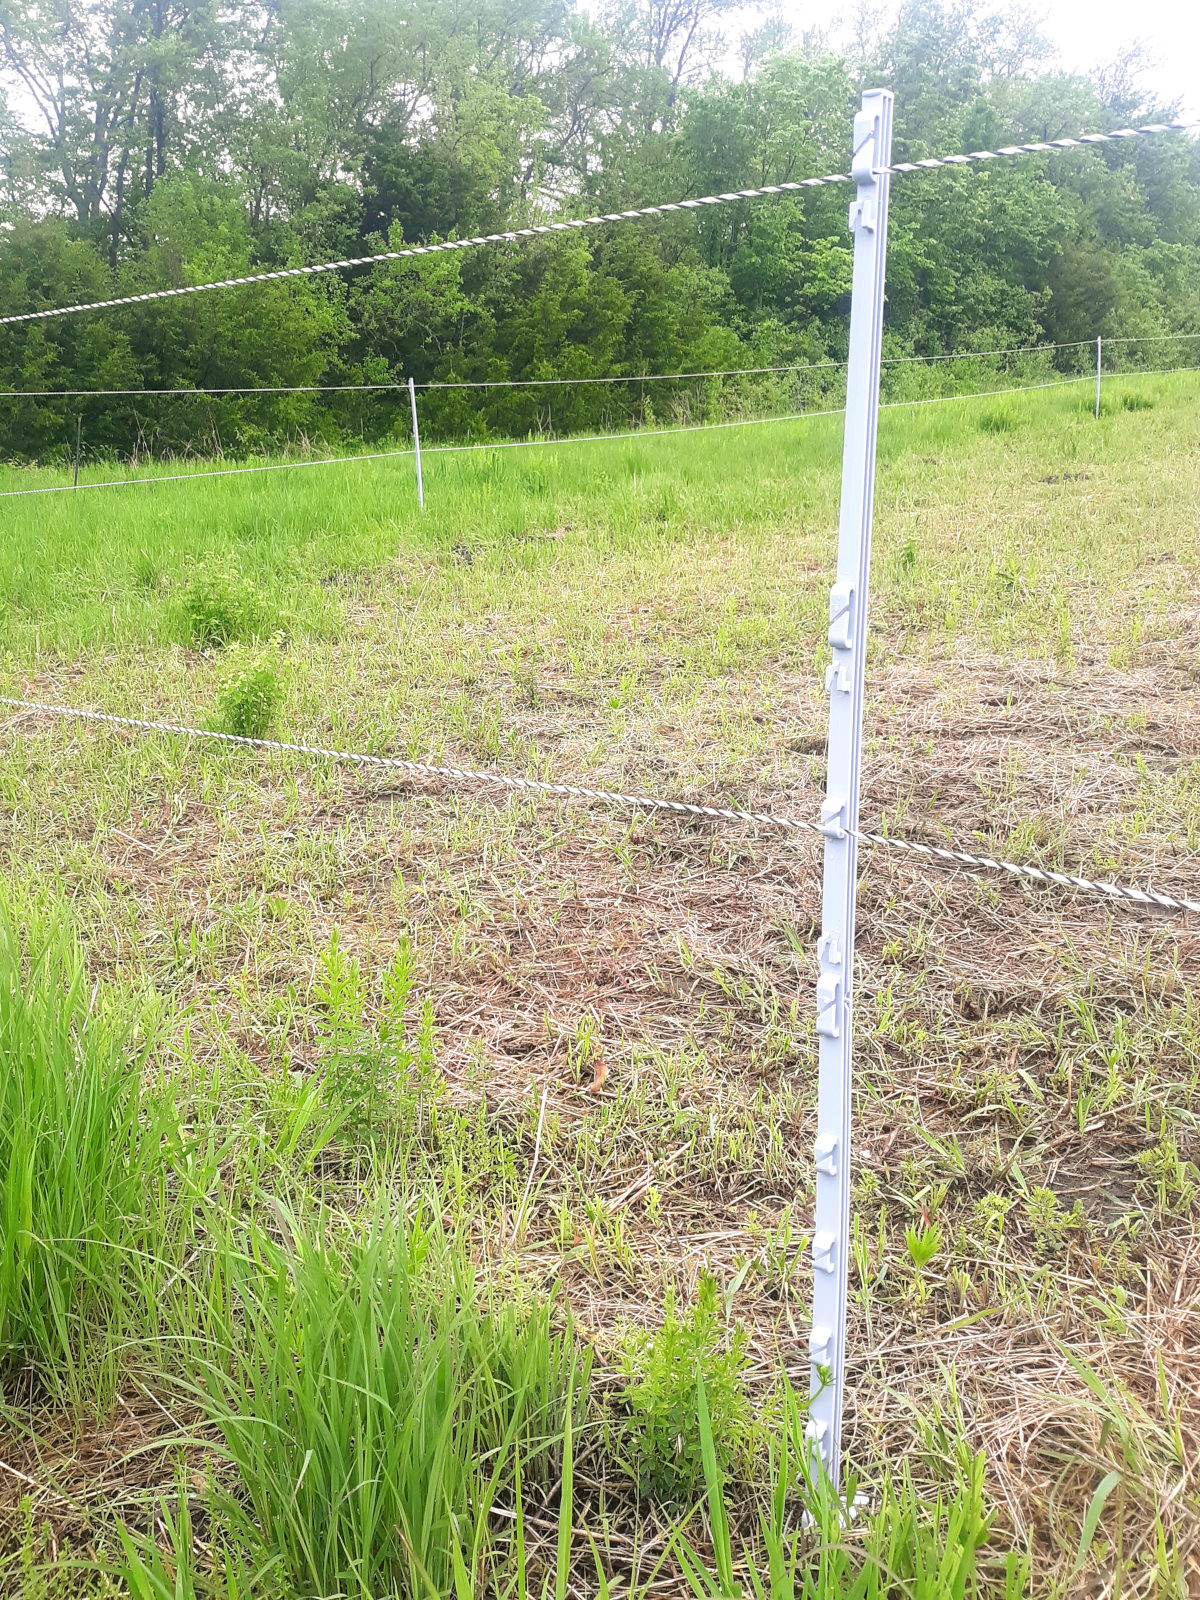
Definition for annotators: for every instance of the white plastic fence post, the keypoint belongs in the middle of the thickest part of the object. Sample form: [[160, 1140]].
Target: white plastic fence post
[[845, 683], [1099, 358], [412, 395]]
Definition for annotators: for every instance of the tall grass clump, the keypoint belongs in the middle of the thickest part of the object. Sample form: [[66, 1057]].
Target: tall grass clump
[[82, 1158], [374, 1403]]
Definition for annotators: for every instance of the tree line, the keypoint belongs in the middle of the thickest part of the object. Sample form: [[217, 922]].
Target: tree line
[[149, 143]]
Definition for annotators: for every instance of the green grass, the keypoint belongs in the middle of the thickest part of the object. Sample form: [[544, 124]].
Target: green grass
[[375, 1402], [84, 1159], [448, 1098], [195, 563]]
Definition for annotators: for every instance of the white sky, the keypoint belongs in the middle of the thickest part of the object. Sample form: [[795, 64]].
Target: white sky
[[1090, 33], [1087, 33]]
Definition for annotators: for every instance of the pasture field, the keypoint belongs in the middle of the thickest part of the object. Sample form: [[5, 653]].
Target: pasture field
[[406, 1191]]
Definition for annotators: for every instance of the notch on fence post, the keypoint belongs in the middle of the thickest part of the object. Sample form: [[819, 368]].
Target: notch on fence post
[[412, 395], [845, 684], [1099, 359]]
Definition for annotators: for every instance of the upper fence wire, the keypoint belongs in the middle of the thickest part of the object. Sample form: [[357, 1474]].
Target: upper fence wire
[[572, 225], [400, 385]]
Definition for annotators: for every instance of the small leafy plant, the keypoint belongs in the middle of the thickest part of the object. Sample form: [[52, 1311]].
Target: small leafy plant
[[220, 605], [372, 1067], [923, 1244], [663, 1373], [250, 693]]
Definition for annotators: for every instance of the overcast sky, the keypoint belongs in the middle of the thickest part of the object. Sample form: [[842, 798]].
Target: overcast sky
[[1089, 33]]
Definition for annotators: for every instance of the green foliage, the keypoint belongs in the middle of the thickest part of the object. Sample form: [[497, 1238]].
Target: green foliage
[[219, 605], [372, 1071], [250, 692], [84, 1149], [373, 1401], [662, 1430]]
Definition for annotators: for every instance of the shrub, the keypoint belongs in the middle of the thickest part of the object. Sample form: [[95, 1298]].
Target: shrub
[[663, 1371], [82, 1147], [250, 693]]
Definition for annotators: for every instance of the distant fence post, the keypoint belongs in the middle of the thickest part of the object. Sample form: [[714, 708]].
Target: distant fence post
[[1099, 359], [78, 446], [412, 395], [839, 813]]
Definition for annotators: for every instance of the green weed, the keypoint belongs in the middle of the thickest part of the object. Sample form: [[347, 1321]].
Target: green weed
[[373, 1073], [662, 1433], [250, 692], [220, 605]]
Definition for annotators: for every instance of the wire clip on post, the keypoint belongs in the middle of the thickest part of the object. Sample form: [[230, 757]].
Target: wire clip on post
[[412, 395], [839, 813]]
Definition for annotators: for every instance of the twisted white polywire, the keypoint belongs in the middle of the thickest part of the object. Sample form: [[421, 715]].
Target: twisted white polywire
[[536, 231], [637, 802], [637, 214]]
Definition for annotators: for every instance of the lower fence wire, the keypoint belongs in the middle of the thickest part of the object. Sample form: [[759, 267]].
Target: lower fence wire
[[572, 438], [461, 776]]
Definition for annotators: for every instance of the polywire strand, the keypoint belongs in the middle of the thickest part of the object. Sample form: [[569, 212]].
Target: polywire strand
[[1010, 350], [632, 377], [576, 438], [370, 388], [942, 854], [262, 388], [637, 214], [199, 477], [1145, 338], [1033, 388], [525, 383]]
